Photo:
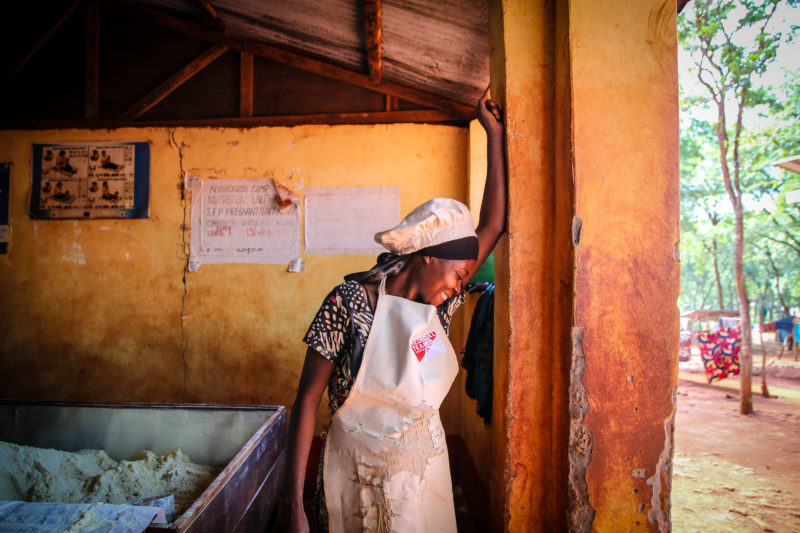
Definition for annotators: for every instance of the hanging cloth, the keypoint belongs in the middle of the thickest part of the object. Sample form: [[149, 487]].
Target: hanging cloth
[[719, 351], [386, 463], [478, 358]]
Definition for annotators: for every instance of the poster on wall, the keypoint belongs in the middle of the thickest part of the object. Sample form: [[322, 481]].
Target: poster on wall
[[242, 221], [344, 220], [90, 180], [4, 200]]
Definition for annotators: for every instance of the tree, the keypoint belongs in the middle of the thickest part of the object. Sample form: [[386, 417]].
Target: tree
[[732, 44]]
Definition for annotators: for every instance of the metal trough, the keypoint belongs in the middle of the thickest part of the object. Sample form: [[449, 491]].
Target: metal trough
[[246, 441]]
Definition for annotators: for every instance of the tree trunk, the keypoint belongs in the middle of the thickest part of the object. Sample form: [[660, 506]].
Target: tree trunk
[[777, 282], [735, 196], [716, 273], [746, 353]]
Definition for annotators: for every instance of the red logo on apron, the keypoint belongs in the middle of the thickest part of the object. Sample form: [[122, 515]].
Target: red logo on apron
[[422, 344]]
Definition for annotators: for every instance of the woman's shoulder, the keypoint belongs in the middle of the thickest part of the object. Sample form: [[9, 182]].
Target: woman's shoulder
[[350, 294]]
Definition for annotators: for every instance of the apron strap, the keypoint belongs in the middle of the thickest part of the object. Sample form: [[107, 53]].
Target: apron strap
[[382, 287]]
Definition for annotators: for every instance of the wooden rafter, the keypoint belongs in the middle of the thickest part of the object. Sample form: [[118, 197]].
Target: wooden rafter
[[173, 82], [380, 117], [13, 72], [372, 23], [245, 84], [322, 68], [211, 14], [91, 90]]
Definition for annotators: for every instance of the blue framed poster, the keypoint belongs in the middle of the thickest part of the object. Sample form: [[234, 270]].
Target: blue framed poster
[[90, 180], [4, 200]]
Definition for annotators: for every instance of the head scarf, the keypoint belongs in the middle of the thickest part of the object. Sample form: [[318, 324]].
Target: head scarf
[[392, 264]]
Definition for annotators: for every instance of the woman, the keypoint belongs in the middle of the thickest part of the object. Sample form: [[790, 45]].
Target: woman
[[379, 343]]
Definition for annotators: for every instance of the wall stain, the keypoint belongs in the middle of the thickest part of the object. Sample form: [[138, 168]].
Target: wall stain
[[660, 481], [184, 250], [577, 223], [661, 33], [580, 514]]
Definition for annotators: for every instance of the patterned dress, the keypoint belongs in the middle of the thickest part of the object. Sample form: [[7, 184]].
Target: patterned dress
[[338, 333]]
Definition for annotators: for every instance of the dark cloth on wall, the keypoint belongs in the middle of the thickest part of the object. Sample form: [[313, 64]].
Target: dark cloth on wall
[[478, 357]]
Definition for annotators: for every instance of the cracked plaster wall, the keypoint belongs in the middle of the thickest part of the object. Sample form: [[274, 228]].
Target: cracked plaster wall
[[625, 142], [100, 310]]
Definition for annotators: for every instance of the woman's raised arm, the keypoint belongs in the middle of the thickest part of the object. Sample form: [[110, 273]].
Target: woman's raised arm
[[492, 222]]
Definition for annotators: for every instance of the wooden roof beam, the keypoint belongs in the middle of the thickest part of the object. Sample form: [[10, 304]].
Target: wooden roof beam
[[429, 116], [91, 84], [211, 15], [49, 33], [374, 34], [293, 59], [245, 84], [173, 82]]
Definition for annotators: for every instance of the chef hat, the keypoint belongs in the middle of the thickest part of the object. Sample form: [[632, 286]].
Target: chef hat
[[434, 223]]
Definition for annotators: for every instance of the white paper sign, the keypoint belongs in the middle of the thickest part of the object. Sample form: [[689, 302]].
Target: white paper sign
[[238, 221], [344, 220]]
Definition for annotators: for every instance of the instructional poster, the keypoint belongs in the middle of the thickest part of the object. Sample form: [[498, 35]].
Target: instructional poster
[[90, 180], [344, 220], [242, 221]]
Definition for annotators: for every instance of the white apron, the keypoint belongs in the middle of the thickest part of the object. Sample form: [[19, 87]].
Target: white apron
[[386, 467]]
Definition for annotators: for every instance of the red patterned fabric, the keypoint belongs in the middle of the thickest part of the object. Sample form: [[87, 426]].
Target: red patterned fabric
[[720, 352]]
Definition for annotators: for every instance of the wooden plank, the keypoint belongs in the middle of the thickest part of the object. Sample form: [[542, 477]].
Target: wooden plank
[[13, 72], [381, 117], [173, 82], [459, 109], [211, 14], [91, 91], [226, 501], [245, 84], [391, 103], [372, 23]]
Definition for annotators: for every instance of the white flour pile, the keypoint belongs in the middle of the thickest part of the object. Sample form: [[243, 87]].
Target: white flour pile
[[87, 476]]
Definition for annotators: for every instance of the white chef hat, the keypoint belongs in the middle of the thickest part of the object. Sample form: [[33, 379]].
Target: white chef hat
[[432, 224]]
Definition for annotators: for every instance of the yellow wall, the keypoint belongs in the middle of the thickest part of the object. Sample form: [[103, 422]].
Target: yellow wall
[[97, 310]]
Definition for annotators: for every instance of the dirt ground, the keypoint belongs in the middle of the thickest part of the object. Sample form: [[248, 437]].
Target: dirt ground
[[733, 472]]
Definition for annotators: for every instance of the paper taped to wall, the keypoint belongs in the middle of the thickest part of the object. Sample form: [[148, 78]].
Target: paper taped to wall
[[239, 221], [344, 220]]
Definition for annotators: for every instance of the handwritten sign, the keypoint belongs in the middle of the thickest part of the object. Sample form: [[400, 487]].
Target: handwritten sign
[[239, 221], [344, 220]]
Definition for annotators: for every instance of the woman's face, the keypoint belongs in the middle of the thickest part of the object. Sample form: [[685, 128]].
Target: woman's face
[[441, 279]]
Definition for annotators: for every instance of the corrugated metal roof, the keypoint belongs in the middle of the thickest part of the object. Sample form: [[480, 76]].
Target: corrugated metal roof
[[438, 46]]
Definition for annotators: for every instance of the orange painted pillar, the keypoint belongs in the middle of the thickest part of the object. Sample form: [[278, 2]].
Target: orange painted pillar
[[586, 315], [625, 145], [533, 299]]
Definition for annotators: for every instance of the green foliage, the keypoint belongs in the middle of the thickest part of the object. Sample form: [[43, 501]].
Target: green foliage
[[732, 43]]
